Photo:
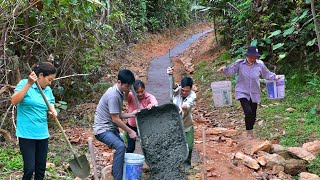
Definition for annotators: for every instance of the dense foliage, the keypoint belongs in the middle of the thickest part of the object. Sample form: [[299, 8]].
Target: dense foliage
[[284, 31], [78, 37], [80, 33], [86, 36]]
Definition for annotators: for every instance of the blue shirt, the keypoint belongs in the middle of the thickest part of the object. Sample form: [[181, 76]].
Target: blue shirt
[[32, 122]]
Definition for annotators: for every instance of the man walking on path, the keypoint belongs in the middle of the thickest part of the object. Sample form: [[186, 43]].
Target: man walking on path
[[184, 98], [108, 117]]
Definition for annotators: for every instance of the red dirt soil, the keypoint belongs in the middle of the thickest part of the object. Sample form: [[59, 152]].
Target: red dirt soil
[[219, 150]]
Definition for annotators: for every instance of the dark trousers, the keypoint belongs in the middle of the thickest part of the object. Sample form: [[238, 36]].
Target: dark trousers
[[34, 154], [250, 112], [131, 142]]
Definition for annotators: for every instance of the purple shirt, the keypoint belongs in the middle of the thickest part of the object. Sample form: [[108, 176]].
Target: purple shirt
[[248, 84]]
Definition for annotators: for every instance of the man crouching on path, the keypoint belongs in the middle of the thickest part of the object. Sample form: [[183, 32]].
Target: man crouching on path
[[108, 117]]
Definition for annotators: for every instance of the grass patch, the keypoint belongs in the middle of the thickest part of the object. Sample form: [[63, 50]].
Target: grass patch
[[314, 166], [206, 72], [10, 160], [291, 128], [203, 72]]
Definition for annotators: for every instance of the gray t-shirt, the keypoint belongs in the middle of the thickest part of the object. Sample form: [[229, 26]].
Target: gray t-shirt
[[110, 103]]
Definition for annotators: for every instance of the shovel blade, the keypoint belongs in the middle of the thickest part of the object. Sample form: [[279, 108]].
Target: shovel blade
[[82, 168]]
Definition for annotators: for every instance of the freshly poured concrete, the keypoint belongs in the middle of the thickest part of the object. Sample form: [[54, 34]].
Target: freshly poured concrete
[[163, 141], [158, 81], [161, 129]]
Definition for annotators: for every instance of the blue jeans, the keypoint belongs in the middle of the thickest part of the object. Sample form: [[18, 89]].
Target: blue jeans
[[113, 140]]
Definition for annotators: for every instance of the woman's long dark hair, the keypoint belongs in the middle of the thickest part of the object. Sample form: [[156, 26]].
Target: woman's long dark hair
[[46, 68]]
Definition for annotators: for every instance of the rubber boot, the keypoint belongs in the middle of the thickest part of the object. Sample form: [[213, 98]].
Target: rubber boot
[[250, 134], [187, 163]]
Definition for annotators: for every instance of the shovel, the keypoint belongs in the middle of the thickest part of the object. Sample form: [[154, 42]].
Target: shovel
[[79, 165]]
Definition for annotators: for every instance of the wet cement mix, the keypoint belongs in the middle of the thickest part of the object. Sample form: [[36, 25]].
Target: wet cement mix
[[163, 141]]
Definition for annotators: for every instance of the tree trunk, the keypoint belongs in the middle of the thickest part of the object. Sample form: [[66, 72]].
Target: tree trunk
[[3, 40], [6, 135], [27, 32], [214, 28], [315, 23]]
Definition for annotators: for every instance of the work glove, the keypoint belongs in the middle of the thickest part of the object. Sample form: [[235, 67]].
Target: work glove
[[170, 70]]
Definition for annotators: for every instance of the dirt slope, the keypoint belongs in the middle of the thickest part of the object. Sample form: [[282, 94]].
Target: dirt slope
[[219, 149]]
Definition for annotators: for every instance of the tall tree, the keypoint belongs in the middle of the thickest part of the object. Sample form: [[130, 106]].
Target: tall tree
[[315, 22]]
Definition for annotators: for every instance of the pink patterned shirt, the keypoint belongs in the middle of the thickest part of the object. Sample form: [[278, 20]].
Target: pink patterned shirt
[[148, 99]]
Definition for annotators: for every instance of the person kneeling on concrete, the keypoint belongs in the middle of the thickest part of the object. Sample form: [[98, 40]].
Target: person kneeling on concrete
[[108, 117], [184, 98]]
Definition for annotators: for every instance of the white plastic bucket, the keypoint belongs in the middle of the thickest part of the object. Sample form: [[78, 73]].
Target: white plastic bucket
[[221, 92], [276, 88], [132, 168]]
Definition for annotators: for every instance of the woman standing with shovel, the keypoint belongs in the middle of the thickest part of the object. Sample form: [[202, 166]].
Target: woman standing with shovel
[[32, 121]]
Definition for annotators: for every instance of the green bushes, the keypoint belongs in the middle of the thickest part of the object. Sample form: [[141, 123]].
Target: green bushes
[[283, 31], [80, 36], [314, 166]]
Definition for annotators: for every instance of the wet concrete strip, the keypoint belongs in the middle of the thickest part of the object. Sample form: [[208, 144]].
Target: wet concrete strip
[[161, 130], [158, 83], [163, 141]]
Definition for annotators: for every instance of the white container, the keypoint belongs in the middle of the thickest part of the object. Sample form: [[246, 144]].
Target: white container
[[132, 168], [276, 88], [221, 92]]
